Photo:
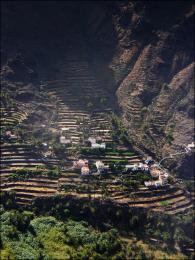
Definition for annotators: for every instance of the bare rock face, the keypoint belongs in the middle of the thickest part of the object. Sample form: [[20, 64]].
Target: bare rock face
[[152, 65]]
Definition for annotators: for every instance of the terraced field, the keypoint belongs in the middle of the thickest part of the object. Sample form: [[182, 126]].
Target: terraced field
[[83, 109], [169, 199], [17, 155]]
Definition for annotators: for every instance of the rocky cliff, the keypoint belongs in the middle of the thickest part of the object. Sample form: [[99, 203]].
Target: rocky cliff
[[146, 48]]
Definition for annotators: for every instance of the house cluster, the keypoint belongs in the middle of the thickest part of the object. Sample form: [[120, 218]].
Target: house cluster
[[83, 165], [95, 145], [137, 167], [159, 173], [63, 138], [9, 135]]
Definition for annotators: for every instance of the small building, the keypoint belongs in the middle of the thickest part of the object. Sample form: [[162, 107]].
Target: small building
[[143, 167], [136, 167], [149, 161], [155, 184], [65, 129], [103, 145], [131, 167], [92, 140], [64, 140], [85, 170], [44, 146], [155, 170], [98, 146], [190, 147], [94, 143], [10, 135], [80, 163], [48, 153], [101, 167], [146, 168], [163, 176]]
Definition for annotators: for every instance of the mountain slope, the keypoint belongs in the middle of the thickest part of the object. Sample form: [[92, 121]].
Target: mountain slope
[[150, 63]]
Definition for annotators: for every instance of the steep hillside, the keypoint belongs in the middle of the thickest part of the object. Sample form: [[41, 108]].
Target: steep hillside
[[145, 52], [141, 52]]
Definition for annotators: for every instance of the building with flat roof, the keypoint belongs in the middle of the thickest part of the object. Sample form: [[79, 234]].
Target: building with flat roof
[[64, 140], [80, 163], [85, 170], [96, 145], [153, 183], [101, 167]]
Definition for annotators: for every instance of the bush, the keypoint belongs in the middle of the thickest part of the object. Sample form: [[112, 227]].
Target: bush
[[144, 109], [43, 224], [169, 137]]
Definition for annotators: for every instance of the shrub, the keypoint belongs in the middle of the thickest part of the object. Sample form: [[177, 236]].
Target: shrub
[[144, 109], [103, 100]]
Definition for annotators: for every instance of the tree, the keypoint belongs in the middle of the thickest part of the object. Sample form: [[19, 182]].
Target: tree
[[89, 105], [179, 236], [103, 100], [104, 191]]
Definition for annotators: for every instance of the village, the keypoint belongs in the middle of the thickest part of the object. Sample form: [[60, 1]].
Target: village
[[88, 167], [73, 147]]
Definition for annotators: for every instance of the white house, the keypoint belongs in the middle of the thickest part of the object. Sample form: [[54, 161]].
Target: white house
[[92, 140], [135, 167], [10, 135], [190, 146], [132, 167], [101, 167], [143, 167], [65, 129], [153, 183], [63, 140], [95, 145], [103, 145]]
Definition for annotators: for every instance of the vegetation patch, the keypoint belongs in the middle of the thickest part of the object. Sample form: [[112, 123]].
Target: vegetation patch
[[164, 203], [25, 173]]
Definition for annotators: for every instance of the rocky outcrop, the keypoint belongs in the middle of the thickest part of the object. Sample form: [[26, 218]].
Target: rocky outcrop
[[151, 63]]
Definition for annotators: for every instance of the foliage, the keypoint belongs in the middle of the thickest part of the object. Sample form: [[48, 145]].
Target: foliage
[[90, 151], [46, 237], [144, 109], [25, 236], [25, 173], [59, 150], [119, 132], [164, 203], [103, 100]]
